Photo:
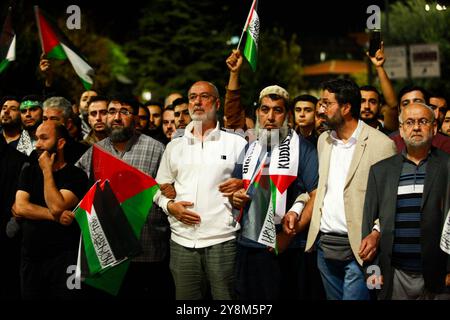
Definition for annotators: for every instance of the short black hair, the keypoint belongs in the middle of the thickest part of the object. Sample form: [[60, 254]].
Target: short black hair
[[6, 98], [371, 88], [179, 101], [98, 98], [127, 100], [304, 97], [410, 88], [346, 91]]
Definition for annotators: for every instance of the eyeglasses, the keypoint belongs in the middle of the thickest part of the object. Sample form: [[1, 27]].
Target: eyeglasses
[[411, 123], [94, 113], [124, 112], [326, 104], [203, 96]]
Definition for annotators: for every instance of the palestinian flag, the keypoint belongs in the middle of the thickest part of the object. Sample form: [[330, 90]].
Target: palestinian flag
[[252, 30], [56, 46], [260, 217], [7, 43], [134, 191], [107, 236]]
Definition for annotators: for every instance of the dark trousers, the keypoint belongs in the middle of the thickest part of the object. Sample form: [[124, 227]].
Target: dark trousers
[[148, 281], [47, 278]]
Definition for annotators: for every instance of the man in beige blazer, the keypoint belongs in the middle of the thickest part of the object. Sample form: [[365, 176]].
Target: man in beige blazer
[[345, 156]]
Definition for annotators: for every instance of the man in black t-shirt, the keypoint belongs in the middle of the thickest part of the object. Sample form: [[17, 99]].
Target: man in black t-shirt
[[45, 190]]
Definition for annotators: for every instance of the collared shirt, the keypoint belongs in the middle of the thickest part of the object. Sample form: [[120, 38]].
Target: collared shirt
[[196, 168], [143, 153], [333, 210]]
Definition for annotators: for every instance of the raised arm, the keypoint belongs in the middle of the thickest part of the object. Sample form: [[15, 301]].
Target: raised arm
[[391, 123], [233, 110]]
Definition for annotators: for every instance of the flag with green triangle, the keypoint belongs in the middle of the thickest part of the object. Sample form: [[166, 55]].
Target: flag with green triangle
[[107, 236], [56, 46], [252, 31], [134, 191], [7, 43]]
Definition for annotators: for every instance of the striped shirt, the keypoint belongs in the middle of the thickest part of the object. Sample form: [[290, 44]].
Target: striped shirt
[[406, 251]]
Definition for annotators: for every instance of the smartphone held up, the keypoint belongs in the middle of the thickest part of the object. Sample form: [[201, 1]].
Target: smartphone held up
[[374, 41]]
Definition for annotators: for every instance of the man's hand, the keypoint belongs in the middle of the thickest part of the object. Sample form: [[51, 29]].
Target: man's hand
[[46, 161], [289, 221], [168, 190], [240, 198], [283, 241], [44, 65], [234, 61], [369, 245], [179, 211], [230, 186], [66, 218], [379, 58]]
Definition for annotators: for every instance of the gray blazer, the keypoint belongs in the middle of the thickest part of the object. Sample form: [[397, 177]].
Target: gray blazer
[[380, 203]]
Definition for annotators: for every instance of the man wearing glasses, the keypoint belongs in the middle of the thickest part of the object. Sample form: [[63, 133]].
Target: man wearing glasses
[[150, 269], [345, 156], [407, 193], [202, 245], [415, 94]]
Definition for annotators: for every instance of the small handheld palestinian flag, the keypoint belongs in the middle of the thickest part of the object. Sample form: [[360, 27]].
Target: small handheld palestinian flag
[[56, 46], [134, 192], [251, 29], [107, 236]]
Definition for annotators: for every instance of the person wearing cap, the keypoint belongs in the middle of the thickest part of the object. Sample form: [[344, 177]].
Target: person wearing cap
[[31, 116], [409, 194], [288, 162], [345, 156], [203, 239], [10, 120]]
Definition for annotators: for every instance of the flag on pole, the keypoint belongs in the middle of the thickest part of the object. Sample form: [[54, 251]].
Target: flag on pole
[[56, 46], [252, 30], [134, 191], [7, 43]]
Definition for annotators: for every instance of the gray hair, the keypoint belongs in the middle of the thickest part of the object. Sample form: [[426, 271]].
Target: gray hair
[[416, 103], [61, 104]]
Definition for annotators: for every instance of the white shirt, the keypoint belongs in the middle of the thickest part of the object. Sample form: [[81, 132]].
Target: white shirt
[[333, 209], [197, 168]]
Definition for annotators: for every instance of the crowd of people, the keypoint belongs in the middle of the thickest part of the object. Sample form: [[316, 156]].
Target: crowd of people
[[299, 199]]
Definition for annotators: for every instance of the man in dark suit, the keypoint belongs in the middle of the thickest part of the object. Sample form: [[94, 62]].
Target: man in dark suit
[[407, 193]]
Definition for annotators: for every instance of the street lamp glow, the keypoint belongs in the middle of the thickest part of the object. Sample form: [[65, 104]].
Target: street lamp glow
[[438, 7], [427, 7], [146, 95]]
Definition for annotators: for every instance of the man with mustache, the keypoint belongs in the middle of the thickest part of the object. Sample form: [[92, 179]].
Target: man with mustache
[[149, 269], [287, 162], [97, 115], [370, 107], [31, 116], [345, 156], [10, 120], [203, 240], [407, 193], [45, 190]]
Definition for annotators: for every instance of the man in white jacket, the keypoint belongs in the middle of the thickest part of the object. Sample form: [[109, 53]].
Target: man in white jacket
[[203, 245]]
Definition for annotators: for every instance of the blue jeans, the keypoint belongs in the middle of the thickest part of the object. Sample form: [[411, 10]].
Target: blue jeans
[[342, 280]]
